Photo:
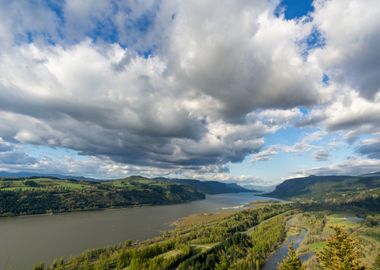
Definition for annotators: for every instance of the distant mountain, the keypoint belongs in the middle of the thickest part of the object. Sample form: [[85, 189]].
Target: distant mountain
[[371, 174], [4, 174], [209, 187], [324, 186], [259, 188]]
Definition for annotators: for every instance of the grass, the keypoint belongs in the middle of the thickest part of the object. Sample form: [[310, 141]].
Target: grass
[[204, 247], [41, 184], [171, 254], [138, 184], [203, 218], [18, 188], [373, 233], [340, 220], [316, 246], [314, 242], [71, 185]]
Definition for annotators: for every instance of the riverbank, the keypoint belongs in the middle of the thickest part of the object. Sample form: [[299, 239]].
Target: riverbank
[[206, 242], [67, 234], [96, 209]]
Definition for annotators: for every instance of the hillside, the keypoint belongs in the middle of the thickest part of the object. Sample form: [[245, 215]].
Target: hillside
[[38, 195], [230, 239], [324, 186], [371, 174], [359, 193], [22, 174], [209, 187]]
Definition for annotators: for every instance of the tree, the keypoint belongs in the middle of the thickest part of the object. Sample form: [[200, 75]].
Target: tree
[[39, 266], [342, 252], [291, 262]]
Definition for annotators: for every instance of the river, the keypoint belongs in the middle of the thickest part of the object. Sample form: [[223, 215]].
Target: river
[[24, 241]]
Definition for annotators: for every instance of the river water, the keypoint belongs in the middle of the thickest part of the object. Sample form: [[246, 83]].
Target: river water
[[282, 251], [24, 241]]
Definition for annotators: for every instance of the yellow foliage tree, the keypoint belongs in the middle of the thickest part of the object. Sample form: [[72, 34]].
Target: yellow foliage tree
[[342, 252], [291, 262]]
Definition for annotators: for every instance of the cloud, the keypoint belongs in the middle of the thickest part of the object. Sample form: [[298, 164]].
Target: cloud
[[306, 144], [266, 154], [278, 116], [370, 148], [19, 158], [189, 105], [351, 113], [351, 51], [22, 20], [182, 87], [347, 111], [258, 64], [322, 155], [11, 155], [4, 146], [106, 102], [350, 166]]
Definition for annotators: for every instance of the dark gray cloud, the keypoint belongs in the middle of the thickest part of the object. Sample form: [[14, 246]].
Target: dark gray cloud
[[5, 148], [16, 157], [321, 155], [189, 105], [155, 84], [370, 148]]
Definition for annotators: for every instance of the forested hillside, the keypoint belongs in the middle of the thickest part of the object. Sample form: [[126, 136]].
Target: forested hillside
[[360, 193], [322, 186], [209, 187], [28, 196]]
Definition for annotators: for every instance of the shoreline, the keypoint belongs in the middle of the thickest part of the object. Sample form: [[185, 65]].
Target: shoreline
[[116, 207], [97, 209]]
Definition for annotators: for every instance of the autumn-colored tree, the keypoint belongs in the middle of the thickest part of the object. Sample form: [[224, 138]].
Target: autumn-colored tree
[[291, 262], [342, 252]]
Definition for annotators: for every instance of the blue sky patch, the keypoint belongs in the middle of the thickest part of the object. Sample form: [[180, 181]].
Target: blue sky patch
[[294, 9]]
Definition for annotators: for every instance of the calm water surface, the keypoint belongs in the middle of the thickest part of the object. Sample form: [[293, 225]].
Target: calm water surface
[[282, 251], [25, 241]]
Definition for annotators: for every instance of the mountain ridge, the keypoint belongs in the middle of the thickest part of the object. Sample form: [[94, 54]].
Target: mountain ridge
[[208, 186], [320, 186]]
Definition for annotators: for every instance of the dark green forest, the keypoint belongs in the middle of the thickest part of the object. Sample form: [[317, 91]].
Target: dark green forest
[[351, 193]]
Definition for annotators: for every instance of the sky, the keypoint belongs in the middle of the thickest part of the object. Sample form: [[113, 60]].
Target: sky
[[252, 92]]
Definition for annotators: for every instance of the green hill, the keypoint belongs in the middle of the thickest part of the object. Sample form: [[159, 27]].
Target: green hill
[[39, 195], [324, 186], [360, 193], [209, 187]]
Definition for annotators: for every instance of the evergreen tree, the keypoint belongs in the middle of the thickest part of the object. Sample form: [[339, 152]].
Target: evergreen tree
[[342, 252], [39, 266], [291, 262]]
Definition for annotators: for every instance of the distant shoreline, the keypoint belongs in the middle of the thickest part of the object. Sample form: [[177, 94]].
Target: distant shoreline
[[97, 209]]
